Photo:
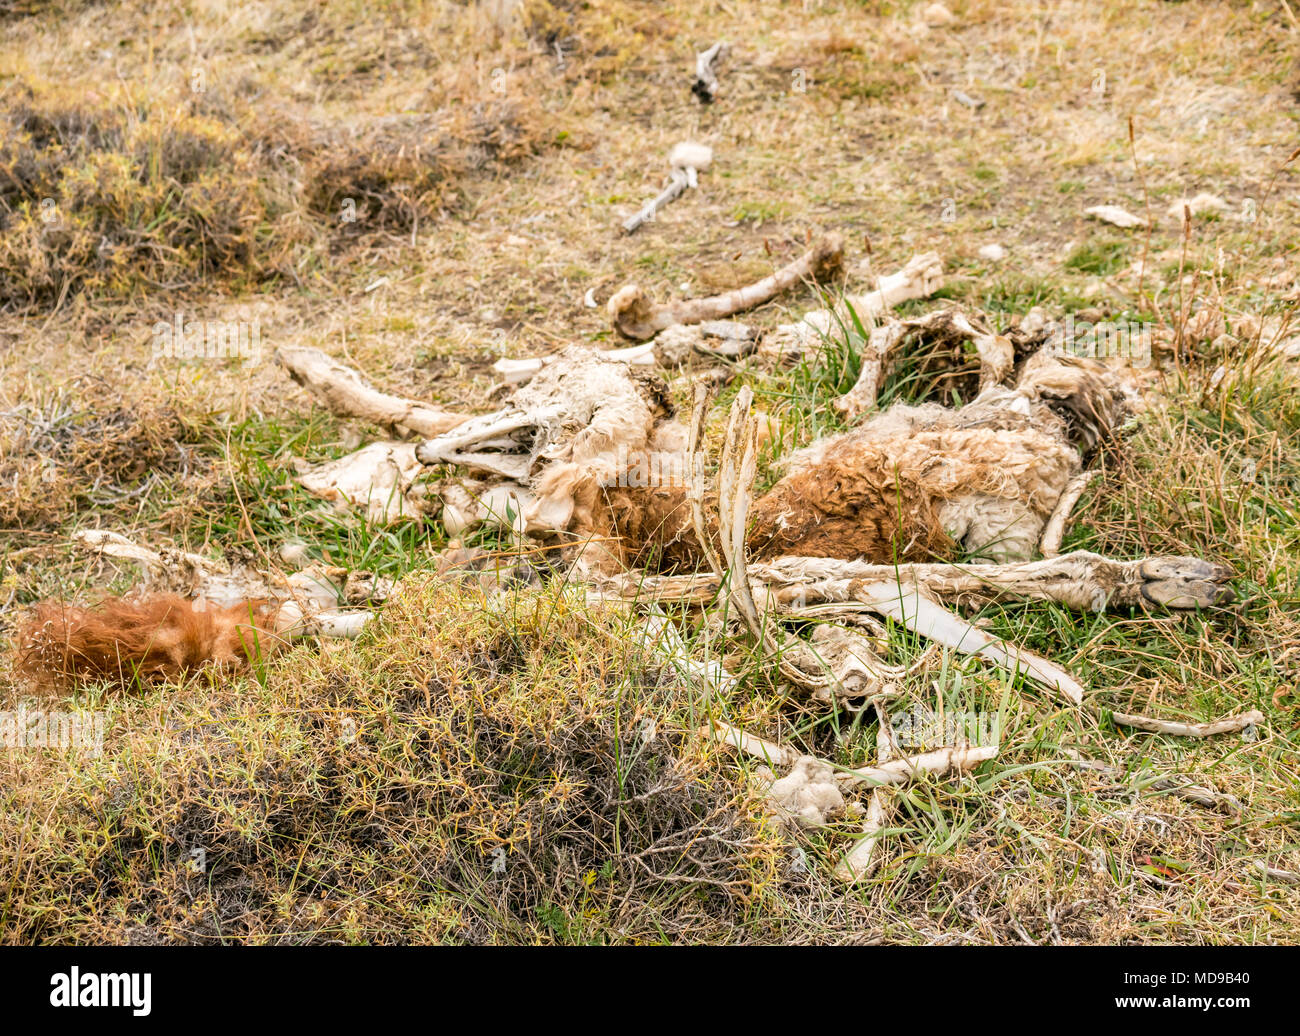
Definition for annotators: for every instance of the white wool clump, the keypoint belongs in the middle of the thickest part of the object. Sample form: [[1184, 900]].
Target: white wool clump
[[689, 155], [808, 794]]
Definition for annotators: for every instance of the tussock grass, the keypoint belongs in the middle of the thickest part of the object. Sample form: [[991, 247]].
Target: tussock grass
[[521, 776], [192, 176]]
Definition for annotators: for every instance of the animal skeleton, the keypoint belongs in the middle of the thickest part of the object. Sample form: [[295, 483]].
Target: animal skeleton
[[590, 451], [587, 451]]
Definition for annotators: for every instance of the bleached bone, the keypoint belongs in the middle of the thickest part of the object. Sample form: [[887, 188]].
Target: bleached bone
[[687, 161], [348, 394], [808, 795], [635, 316], [923, 616], [855, 669], [1229, 725], [572, 430], [497, 440], [899, 771], [1054, 531], [995, 352], [705, 84], [466, 504], [668, 645], [376, 478], [1080, 580], [795, 660], [860, 861], [920, 278], [516, 372], [672, 347], [766, 751], [906, 769]]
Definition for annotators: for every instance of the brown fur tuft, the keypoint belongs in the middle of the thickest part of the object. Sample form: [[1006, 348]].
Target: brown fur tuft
[[153, 638]]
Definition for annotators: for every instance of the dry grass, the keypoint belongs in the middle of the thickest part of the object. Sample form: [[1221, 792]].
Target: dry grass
[[488, 185]]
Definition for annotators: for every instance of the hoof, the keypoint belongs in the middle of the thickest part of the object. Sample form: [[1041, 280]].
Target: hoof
[[1185, 583]]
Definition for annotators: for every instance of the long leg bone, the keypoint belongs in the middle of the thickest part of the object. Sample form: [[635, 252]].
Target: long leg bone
[[1229, 725], [348, 394], [635, 316], [1080, 580], [687, 161], [920, 278]]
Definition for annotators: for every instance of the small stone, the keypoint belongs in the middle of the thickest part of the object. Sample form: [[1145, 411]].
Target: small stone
[[1114, 214], [936, 15], [994, 253]]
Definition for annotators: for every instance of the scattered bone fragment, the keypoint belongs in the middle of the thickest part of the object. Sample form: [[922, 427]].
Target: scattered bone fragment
[[705, 84], [993, 252], [348, 394], [635, 316], [1229, 725], [1115, 215], [1201, 204], [1276, 873], [686, 160]]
